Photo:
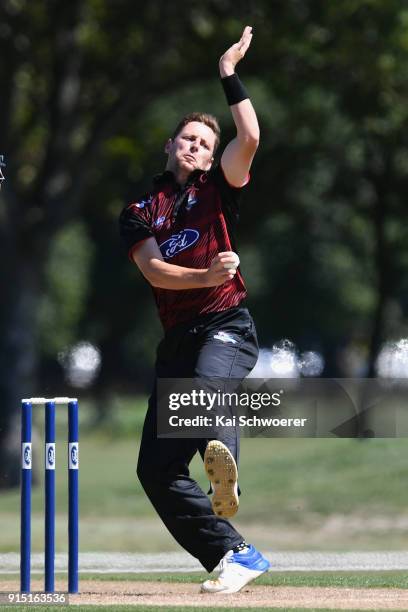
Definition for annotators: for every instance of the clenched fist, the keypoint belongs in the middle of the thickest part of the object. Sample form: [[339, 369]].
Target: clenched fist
[[222, 269]]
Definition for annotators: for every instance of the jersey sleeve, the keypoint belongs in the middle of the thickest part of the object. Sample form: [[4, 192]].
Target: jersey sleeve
[[134, 225], [231, 196]]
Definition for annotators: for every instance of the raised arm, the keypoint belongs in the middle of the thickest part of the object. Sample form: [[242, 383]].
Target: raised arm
[[158, 273], [239, 153]]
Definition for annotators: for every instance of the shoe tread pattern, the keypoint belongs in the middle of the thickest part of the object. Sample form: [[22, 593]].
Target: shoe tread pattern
[[222, 472]]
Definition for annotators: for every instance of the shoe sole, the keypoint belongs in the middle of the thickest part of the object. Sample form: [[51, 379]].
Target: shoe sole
[[254, 576], [222, 472]]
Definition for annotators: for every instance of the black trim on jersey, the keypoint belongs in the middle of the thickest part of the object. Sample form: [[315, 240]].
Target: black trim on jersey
[[231, 198], [132, 229]]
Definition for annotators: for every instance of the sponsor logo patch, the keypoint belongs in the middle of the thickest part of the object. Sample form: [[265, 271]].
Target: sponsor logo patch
[[224, 337], [26, 455], [143, 203], [159, 221], [179, 242], [191, 201], [73, 456], [50, 456]]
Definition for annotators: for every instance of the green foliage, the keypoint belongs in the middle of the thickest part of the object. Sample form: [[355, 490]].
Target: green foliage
[[94, 89], [66, 290]]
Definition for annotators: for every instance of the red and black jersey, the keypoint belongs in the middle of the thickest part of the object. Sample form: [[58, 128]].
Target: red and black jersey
[[191, 225]]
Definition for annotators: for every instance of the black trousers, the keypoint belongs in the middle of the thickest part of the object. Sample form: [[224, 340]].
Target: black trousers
[[223, 345]]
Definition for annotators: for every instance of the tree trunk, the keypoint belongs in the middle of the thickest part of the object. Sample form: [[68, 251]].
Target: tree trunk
[[20, 290], [382, 269]]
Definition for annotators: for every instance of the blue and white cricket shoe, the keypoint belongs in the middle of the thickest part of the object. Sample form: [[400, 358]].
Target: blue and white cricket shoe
[[237, 569]]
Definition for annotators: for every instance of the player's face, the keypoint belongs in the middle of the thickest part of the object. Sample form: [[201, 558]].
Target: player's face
[[192, 148]]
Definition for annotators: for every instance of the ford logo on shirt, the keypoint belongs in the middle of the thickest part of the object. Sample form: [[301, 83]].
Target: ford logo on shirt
[[179, 242]]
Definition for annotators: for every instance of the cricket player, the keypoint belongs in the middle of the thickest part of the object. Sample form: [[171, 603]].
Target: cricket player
[[181, 235]]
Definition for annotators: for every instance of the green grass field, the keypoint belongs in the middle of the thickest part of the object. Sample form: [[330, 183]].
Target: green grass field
[[291, 488]]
